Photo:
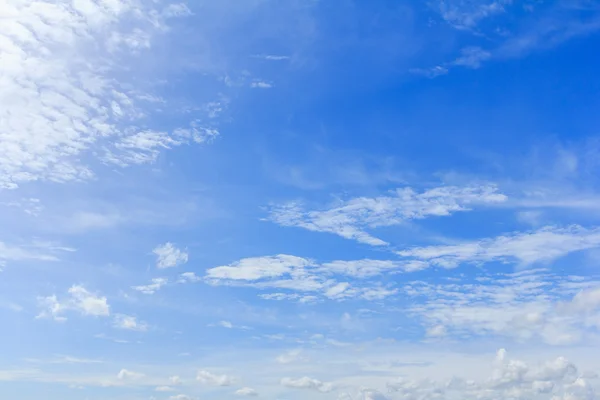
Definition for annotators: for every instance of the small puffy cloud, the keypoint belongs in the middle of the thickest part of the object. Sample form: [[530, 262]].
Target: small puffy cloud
[[126, 374], [181, 397], [175, 380], [246, 391], [128, 322], [169, 256], [153, 287], [289, 356], [307, 383], [79, 300], [225, 324], [188, 277], [164, 389], [209, 378]]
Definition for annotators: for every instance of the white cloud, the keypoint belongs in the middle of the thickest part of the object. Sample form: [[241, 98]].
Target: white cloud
[[557, 380], [256, 268], [307, 383], [351, 218], [209, 378], [225, 324], [125, 374], [61, 98], [128, 322], [290, 356], [472, 57], [164, 389], [181, 397], [367, 268], [188, 277], [79, 300], [261, 85], [169, 256], [543, 245], [35, 251], [246, 391], [533, 305], [153, 287], [466, 15], [303, 275]]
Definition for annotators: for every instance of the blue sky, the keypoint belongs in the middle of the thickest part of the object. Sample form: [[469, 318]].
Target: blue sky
[[352, 200]]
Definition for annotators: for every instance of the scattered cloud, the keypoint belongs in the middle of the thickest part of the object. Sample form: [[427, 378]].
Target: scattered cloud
[[189, 277], [153, 287], [246, 391], [465, 15], [128, 322], [169, 256], [79, 300], [208, 378], [524, 306], [526, 248], [61, 102], [261, 85], [351, 218], [307, 383], [557, 379], [125, 374]]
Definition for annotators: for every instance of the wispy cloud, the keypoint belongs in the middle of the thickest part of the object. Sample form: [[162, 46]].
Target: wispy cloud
[[153, 287], [350, 219], [529, 305], [543, 245]]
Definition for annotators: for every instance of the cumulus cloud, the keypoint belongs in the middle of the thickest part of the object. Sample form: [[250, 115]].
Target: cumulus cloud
[[169, 256], [153, 287], [128, 322], [351, 219], [543, 245], [208, 378], [78, 299], [62, 99], [307, 383], [126, 374], [557, 379]]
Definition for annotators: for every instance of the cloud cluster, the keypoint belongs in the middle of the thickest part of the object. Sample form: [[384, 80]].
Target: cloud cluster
[[307, 383], [64, 95], [523, 306], [351, 219], [305, 276], [79, 300]]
